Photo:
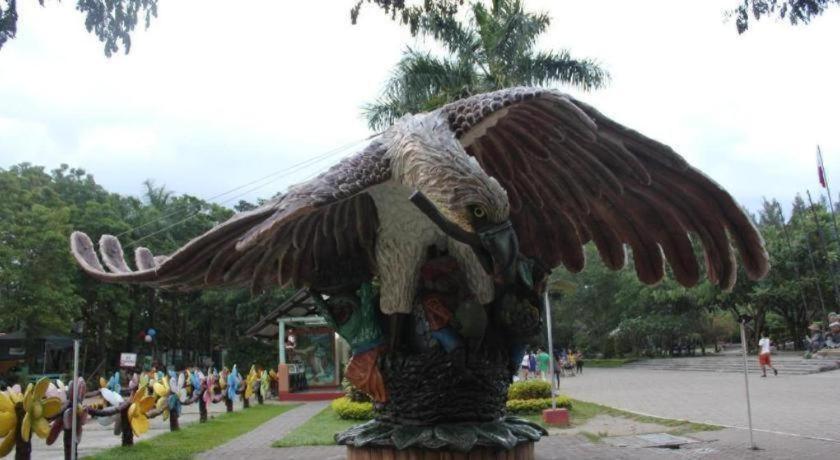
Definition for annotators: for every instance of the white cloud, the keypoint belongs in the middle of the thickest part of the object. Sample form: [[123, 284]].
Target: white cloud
[[214, 96]]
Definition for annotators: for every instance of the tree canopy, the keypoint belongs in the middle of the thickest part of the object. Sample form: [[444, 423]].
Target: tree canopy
[[43, 291], [615, 314], [795, 11], [112, 21], [495, 48]]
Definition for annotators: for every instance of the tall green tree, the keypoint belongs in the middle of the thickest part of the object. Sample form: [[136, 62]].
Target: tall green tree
[[495, 48]]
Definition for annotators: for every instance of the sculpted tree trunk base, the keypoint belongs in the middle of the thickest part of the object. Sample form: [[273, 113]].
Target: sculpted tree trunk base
[[173, 421], [125, 427], [68, 441], [23, 450], [202, 411], [445, 405], [523, 451]]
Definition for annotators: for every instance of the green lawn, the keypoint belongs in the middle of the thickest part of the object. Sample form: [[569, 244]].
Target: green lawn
[[321, 428], [318, 431], [197, 437], [583, 411]]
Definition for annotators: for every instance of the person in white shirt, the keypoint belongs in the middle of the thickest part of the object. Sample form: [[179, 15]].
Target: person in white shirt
[[764, 355]]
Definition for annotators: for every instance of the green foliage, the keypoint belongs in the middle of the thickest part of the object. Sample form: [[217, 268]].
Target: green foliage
[[611, 314], [112, 21], [351, 410], [495, 49], [535, 406], [42, 289], [796, 11], [353, 393], [529, 389]]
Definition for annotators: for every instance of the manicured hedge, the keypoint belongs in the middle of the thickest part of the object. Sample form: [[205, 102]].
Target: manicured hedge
[[535, 406], [529, 389], [347, 409]]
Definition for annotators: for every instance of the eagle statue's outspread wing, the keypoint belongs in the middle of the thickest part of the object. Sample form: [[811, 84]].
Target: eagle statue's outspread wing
[[572, 175], [556, 169], [294, 240]]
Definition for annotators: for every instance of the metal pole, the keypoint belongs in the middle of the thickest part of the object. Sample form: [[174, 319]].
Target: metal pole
[[828, 191], [747, 382], [75, 388], [281, 339], [550, 350]]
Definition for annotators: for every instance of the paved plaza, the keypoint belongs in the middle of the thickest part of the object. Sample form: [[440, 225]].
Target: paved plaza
[[793, 414], [803, 405]]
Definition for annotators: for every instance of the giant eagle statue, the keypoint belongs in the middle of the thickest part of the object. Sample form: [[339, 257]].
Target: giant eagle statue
[[521, 174]]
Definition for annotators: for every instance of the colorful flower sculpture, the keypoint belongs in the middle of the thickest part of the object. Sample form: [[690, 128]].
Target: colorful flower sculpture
[[65, 422], [264, 386], [112, 384], [24, 414], [171, 395], [129, 417], [250, 384]]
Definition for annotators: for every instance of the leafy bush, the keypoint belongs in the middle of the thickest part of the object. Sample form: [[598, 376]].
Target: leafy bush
[[529, 389], [535, 406], [347, 409], [355, 394]]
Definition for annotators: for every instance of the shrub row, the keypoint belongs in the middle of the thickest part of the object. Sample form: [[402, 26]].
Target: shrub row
[[535, 406], [347, 409], [529, 389]]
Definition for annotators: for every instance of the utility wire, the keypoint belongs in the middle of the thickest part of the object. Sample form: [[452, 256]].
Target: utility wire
[[304, 163], [275, 176]]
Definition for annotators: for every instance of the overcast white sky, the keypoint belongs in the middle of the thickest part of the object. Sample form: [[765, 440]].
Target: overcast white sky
[[213, 96]]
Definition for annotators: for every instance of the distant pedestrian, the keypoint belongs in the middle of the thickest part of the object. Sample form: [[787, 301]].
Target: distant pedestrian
[[764, 355], [558, 369], [579, 362], [532, 364], [543, 360], [572, 363], [523, 368]]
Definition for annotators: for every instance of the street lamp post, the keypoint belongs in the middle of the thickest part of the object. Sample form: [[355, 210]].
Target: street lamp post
[[742, 320]]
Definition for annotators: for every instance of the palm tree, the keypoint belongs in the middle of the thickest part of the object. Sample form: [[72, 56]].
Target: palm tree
[[495, 49]]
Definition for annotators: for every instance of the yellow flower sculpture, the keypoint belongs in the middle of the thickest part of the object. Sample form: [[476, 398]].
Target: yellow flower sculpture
[[161, 388], [37, 409], [250, 381], [8, 420], [141, 403]]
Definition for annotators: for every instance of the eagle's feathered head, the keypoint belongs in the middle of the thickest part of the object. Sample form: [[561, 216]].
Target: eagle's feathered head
[[467, 203], [430, 159]]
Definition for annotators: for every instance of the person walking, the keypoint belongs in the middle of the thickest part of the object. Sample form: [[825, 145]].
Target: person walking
[[532, 364], [764, 355], [572, 363], [543, 360], [579, 361], [523, 368]]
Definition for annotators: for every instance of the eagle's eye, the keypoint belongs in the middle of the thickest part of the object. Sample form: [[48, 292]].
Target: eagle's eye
[[479, 212]]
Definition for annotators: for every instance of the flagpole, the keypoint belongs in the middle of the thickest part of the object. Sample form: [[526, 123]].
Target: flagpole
[[823, 247], [828, 190]]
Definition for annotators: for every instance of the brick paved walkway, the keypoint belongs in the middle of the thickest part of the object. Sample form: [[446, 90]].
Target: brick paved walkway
[[805, 405], [253, 444]]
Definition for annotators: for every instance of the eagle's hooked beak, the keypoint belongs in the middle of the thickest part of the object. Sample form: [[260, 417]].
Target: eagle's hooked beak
[[496, 247]]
